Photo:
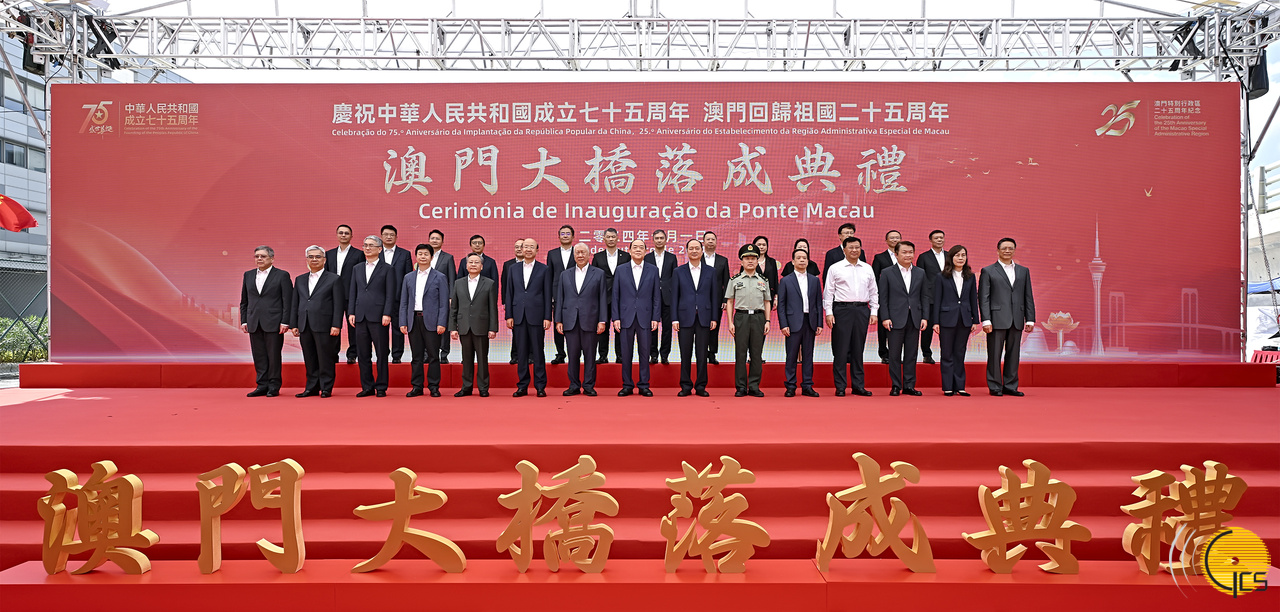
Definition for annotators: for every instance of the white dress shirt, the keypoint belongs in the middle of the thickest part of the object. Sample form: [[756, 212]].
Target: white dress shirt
[[959, 279], [906, 277], [342, 256], [566, 257], [580, 276], [472, 281], [941, 256], [421, 287], [612, 258], [312, 279], [636, 270], [803, 280], [709, 259], [1009, 272], [435, 260], [390, 254], [261, 278], [696, 272], [528, 270], [368, 269], [657, 260], [848, 282]]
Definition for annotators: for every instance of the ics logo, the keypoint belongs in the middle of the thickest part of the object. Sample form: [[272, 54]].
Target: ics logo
[[1235, 561]]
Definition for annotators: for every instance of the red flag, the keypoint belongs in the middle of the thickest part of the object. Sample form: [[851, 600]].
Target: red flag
[[13, 216]]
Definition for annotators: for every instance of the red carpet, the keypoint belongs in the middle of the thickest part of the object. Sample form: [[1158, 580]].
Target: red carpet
[[1032, 374], [799, 448]]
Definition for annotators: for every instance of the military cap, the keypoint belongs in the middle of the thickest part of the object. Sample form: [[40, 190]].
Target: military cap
[[748, 250]]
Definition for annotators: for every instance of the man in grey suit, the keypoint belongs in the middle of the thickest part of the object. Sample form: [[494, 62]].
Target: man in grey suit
[[904, 293], [319, 300], [1008, 310], [266, 302], [581, 311], [443, 262], [473, 322]]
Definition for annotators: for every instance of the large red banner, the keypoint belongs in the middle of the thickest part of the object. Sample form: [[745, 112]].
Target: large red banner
[[1123, 198]]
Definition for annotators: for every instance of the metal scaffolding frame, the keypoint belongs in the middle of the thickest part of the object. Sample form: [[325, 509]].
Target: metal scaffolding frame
[[1207, 43]]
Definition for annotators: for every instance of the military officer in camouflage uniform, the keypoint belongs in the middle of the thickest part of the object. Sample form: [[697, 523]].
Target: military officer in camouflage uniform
[[748, 300]]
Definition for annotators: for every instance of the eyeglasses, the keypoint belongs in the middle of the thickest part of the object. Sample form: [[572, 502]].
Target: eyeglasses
[[315, 256], [257, 256]]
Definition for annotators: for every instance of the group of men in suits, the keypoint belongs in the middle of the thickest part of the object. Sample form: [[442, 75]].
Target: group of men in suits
[[639, 296]]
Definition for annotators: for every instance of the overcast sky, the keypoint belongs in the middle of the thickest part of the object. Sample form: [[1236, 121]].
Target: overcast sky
[[687, 9]]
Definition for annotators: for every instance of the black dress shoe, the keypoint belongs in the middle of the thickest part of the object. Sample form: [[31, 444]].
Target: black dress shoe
[[520, 393], [256, 393], [624, 392], [884, 360], [646, 393], [702, 393], [542, 392], [395, 361], [665, 361], [755, 393], [930, 361], [381, 393], [912, 392], [962, 392], [326, 393], [995, 393], [273, 393], [861, 391], [894, 392], [682, 393], [839, 392], [1015, 393], [589, 392], [414, 392], [739, 393], [948, 393], [512, 362], [790, 393], [484, 394], [653, 361], [351, 362], [365, 393], [601, 361], [713, 361], [444, 360], [809, 393], [569, 392], [557, 361], [435, 393], [462, 393], [305, 394]]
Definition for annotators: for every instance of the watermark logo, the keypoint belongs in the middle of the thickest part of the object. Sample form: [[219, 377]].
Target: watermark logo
[[95, 120], [1235, 561], [1121, 119]]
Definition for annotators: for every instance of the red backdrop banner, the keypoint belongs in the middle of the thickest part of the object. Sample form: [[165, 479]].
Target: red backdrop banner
[[1123, 198]]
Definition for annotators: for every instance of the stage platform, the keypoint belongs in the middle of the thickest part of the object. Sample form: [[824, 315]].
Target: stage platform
[[800, 449], [768, 585], [1032, 374]]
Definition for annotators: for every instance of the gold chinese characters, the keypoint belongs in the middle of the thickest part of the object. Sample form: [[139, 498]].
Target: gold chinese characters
[[276, 485], [1203, 498], [1031, 510], [107, 517], [865, 511], [723, 533], [410, 500], [576, 539]]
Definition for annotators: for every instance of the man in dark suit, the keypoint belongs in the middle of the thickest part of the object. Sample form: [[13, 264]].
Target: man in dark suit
[[488, 267], [502, 285], [401, 262], [905, 294], [800, 318], [581, 313], [696, 299], [836, 254], [266, 302], [443, 263], [370, 305], [608, 261], [636, 307], [529, 317], [721, 265], [473, 322], [559, 260], [932, 261], [1008, 310], [424, 309], [341, 260], [884, 260], [318, 303], [665, 262]]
